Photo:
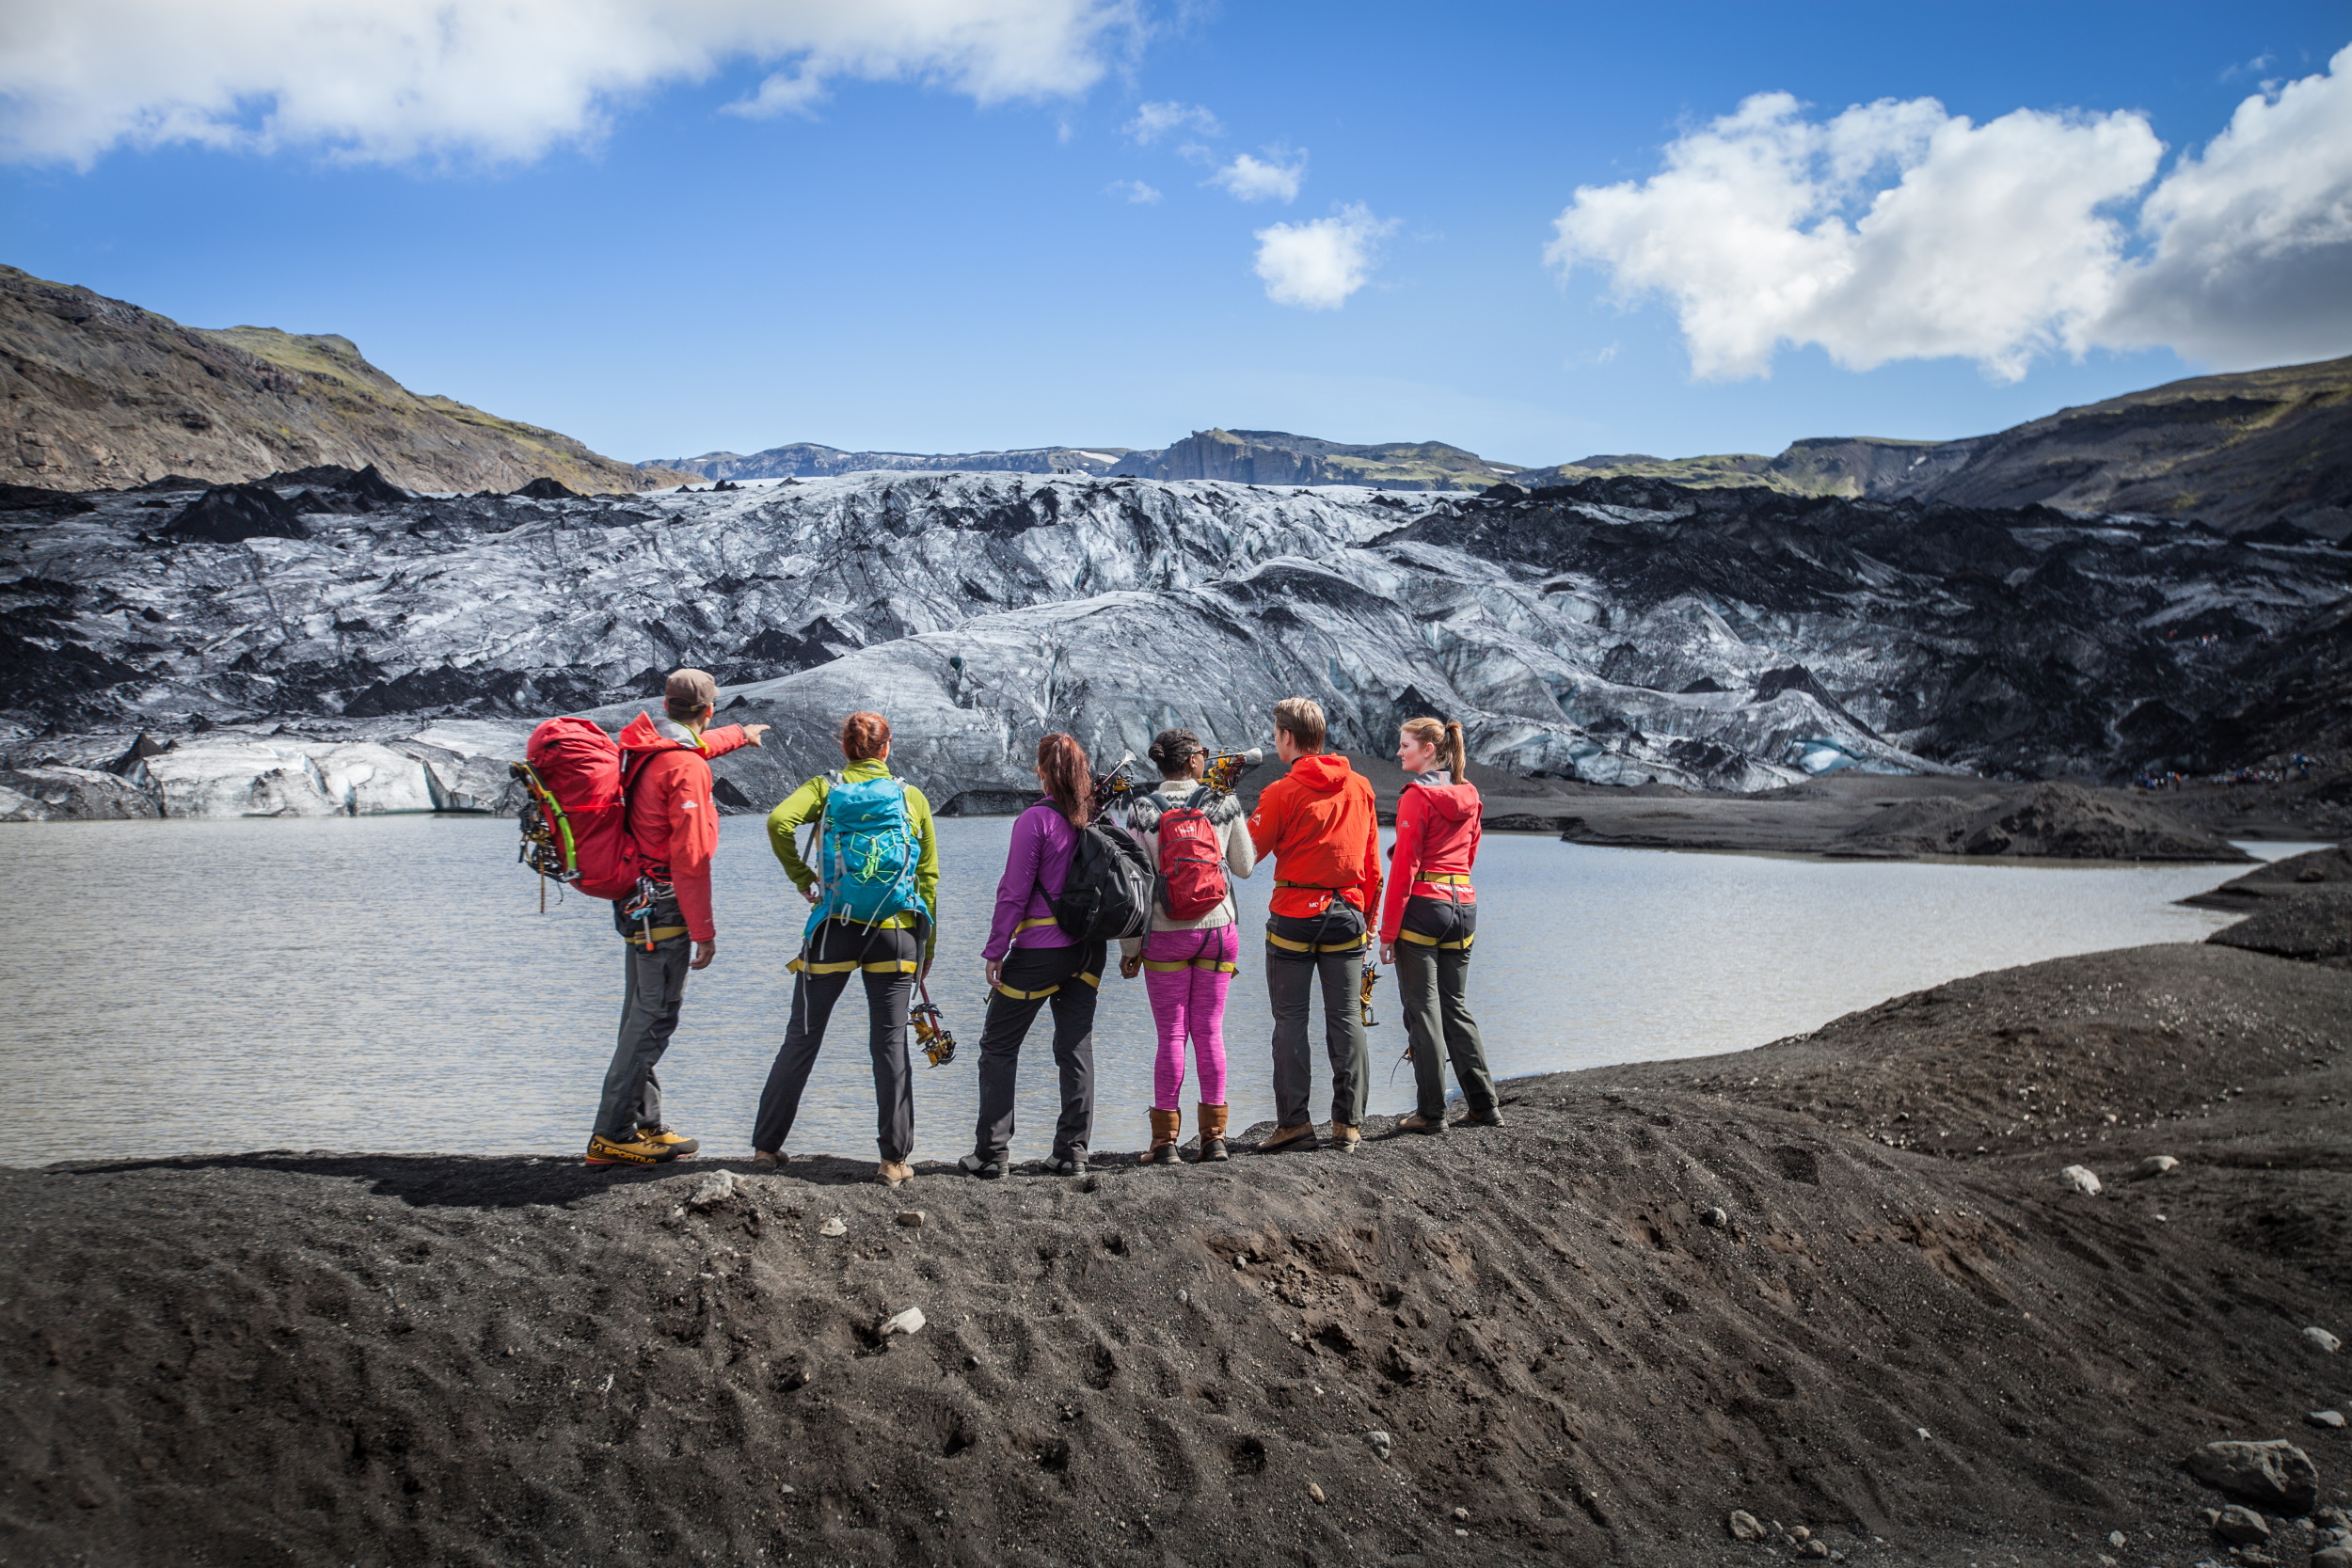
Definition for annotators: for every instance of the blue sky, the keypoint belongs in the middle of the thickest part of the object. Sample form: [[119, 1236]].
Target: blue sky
[[902, 266]]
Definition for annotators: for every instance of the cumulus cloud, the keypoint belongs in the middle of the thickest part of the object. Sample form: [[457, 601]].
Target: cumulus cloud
[[2252, 260], [1134, 190], [391, 80], [1248, 179], [1896, 231], [1316, 265], [1155, 120]]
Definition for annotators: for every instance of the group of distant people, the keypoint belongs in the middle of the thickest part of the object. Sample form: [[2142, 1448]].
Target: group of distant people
[[874, 897]]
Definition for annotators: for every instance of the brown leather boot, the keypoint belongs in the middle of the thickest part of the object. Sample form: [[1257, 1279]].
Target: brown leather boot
[[1166, 1125], [1212, 1132]]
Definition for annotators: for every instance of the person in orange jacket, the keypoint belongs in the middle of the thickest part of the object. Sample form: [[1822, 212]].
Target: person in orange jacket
[[1432, 911], [1318, 824], [665, 764]]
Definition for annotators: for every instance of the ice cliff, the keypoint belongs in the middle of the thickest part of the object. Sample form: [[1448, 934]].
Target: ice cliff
[[1617, 631]]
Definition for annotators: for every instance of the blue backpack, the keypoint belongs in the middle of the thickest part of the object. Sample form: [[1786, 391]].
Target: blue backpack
[[865, 853]]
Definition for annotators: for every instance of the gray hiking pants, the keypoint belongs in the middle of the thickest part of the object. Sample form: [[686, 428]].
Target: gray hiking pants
[[654, 988], [1432, 986], [1289, 984]]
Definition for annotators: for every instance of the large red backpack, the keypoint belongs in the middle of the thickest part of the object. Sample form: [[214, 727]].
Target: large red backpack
[[1192, 860], [575, 826]]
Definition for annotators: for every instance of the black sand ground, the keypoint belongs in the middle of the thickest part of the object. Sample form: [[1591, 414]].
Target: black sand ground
[[1938, 1353]]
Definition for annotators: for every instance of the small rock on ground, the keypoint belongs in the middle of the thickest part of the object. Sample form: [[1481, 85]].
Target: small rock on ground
[[2082, 1178], [908, 1322], [2155, 1165], [2323, 1339], [2241, 1526], [2276, 1474], [833, 1227], [911, 1218], [2325, 1418], [1744, 1525]]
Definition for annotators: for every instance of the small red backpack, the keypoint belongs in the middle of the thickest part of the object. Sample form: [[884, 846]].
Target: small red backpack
[[1192, 860], [578, 796]]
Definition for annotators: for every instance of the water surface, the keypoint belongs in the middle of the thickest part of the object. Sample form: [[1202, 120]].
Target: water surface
[[389, 984]]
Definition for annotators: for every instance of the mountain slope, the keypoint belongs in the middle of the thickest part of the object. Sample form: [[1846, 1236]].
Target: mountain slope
[[2236, 452], [1278, 457], [101, 394], [808, 460]]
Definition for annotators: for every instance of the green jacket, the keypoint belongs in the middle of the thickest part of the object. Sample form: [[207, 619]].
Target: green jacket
[[807, 804]]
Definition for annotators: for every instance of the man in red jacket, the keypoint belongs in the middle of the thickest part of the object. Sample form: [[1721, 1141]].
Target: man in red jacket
[[1318, 823], [665, 767]]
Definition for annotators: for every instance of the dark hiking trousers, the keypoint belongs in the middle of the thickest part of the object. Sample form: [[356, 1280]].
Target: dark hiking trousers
[[1065, 978], [653, 989], [1433, 953], [1291, 970], [887, 957]]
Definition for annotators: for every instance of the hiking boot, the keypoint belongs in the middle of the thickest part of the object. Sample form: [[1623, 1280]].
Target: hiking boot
[[1416, 1122], [1345, 1138], [1212, 1133], [1284, 1139], [894, 1173], [768, 1159], [1165, 1127], [1067, 1162], [677, 1144], [626, 1152], [982, 1166], [1490, 1117]]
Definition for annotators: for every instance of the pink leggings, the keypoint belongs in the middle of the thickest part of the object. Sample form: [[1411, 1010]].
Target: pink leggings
[[1189, 1001]]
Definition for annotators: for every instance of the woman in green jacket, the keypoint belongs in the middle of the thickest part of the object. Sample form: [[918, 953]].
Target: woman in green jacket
[[892, 952]]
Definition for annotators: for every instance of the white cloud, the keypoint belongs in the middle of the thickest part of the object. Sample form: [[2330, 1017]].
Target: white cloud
[[1248, 179], [1134, 190], [391, 80], [1895, 230], [1316, 265], [1155, 120], [2252, 257]]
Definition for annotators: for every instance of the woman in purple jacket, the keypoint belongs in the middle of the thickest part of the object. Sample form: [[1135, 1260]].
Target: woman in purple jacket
[[1032, 961]]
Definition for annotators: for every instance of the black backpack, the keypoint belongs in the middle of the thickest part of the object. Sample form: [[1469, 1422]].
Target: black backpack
[[1108, 892]]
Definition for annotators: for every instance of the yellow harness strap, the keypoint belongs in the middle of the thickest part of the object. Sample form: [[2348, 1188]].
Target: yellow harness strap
[[1445, 878], [660, 933], [1171, 966], [1094, 980], [1033, 924], [1288, 945], [1420, 941]]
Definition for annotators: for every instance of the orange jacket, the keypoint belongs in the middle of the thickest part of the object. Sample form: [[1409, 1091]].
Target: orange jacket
[[669, 811], [1437, 835], [1318, 823]]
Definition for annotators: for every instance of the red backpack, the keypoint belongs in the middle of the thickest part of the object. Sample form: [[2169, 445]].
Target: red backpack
[[575, 827], [1192, 860]]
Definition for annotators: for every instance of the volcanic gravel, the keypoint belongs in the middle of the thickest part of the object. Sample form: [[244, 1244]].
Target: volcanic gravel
[[1659, 1294]]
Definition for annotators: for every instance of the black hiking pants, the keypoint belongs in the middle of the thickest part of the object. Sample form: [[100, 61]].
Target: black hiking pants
[[1433, 953], [1065, 978], [1299, 949], [888, 959]]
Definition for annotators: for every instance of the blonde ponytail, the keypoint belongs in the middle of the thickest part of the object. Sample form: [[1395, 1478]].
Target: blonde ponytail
[[1445, 738]]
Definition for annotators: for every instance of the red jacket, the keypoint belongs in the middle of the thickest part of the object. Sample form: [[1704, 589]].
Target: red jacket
[[1318, 823], [670, 813], [1437, 835]]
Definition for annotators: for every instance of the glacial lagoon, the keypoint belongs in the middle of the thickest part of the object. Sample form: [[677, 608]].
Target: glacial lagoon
[[390, 983]]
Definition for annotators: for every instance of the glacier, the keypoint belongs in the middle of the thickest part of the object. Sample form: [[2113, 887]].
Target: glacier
[[1613, 631]]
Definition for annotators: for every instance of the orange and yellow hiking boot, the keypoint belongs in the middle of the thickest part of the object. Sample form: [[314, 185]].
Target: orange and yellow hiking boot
[[677, 1144], [615, 1151]]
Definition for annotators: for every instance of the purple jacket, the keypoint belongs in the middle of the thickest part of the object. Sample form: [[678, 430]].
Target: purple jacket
[[1036, 868]]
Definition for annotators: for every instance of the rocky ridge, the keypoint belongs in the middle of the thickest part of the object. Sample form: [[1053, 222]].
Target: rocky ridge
[[1617, 632], [102, 394]]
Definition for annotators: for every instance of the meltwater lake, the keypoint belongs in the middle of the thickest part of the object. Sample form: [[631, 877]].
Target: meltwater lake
[[389, 984]]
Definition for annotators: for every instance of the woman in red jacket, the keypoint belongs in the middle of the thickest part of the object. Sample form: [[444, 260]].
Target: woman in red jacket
[[1428, 921]]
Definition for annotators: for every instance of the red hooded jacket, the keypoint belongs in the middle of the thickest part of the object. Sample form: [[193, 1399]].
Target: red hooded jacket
[[670, 811], [1437, 835], [1319, 824]]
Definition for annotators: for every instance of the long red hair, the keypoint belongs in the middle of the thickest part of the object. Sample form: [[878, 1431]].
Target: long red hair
[[1069, 778]]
